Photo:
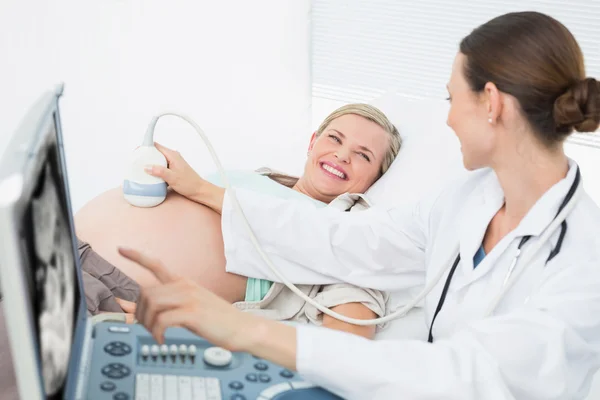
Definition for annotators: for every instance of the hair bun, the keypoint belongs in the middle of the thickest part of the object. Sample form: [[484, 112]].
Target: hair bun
[[579, 106]]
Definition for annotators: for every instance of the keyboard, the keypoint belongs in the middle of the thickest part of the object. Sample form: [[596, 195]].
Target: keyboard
[[176, 387], [127, 364]]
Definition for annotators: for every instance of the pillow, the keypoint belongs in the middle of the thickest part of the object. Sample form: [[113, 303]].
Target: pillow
[[430, 155], [429, 159]]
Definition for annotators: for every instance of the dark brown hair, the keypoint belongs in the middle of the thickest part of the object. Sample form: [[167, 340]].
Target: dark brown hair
[[535, 59]]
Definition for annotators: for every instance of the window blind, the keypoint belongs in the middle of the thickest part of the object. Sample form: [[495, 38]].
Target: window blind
[[364, 49]]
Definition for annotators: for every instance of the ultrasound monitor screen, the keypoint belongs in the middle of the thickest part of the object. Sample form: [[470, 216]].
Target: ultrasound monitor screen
[[47, 243]]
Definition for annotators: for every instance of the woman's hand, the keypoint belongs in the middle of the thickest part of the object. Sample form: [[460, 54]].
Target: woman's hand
[[178, 174], [181, 302], [182, 178]]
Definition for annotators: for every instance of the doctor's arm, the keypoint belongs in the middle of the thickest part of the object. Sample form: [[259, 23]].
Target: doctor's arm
[[377, 248], [546, 349]]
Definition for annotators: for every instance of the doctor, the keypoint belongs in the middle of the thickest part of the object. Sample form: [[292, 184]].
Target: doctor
[[518, 88]]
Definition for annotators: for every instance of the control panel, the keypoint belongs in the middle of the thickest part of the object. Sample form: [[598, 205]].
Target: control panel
[[127, 364]]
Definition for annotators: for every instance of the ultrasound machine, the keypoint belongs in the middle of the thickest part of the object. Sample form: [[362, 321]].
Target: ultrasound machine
[[58, 350]]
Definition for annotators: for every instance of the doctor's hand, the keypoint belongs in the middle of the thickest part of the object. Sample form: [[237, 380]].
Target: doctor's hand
[[176, 301], [182, 178], [128, 308]]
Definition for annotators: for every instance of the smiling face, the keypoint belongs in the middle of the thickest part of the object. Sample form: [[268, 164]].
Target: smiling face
[[346, 157]]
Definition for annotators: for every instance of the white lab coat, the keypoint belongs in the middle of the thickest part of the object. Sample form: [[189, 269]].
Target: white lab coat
[[543, 341]]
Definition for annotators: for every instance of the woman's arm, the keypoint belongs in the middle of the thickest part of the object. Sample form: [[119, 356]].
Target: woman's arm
[[350, 301], [352, 310], [376, 248]]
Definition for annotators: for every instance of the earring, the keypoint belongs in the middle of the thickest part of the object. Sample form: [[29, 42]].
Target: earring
[[490, 120]]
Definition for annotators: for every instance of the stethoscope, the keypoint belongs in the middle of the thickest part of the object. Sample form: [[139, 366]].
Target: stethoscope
[[513, 264]]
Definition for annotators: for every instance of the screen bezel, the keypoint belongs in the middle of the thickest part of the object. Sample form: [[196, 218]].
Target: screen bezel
[[20, 167]]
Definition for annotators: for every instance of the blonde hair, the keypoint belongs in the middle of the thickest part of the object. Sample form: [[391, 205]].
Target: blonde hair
[[375, 115], [279, 177]]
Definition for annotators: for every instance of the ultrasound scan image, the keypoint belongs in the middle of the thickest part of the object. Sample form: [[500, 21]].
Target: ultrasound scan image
[[54, 281]]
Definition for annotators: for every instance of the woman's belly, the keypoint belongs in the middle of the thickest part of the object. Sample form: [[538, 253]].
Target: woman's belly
[[184, 235]]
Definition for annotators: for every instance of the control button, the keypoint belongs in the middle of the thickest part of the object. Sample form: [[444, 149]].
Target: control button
[[142, 386], [108, 386], [154, 350], [116, 371], [261, 366], [274, 390], [192, 350], [264, 378], [117, 349], [156, 386], [198, 385], [118, 329], [121, 396], [252, 377], [145, 350], [164, 350], [126, 348], [115, 374], [213, 388], [124, 370], [171, 385], [184, 387], [173, 349], [183, 350], [238, 396], [235, 385], [302, 385], [286, 373], [217, 356]]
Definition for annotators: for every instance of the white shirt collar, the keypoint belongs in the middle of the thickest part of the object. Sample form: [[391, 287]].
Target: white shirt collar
[[485, 202], [543, 211]]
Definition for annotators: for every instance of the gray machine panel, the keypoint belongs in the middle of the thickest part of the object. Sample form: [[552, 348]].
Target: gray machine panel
[[117, 359]]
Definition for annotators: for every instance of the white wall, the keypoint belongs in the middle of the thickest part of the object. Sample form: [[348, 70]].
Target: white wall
[[240, 69]]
